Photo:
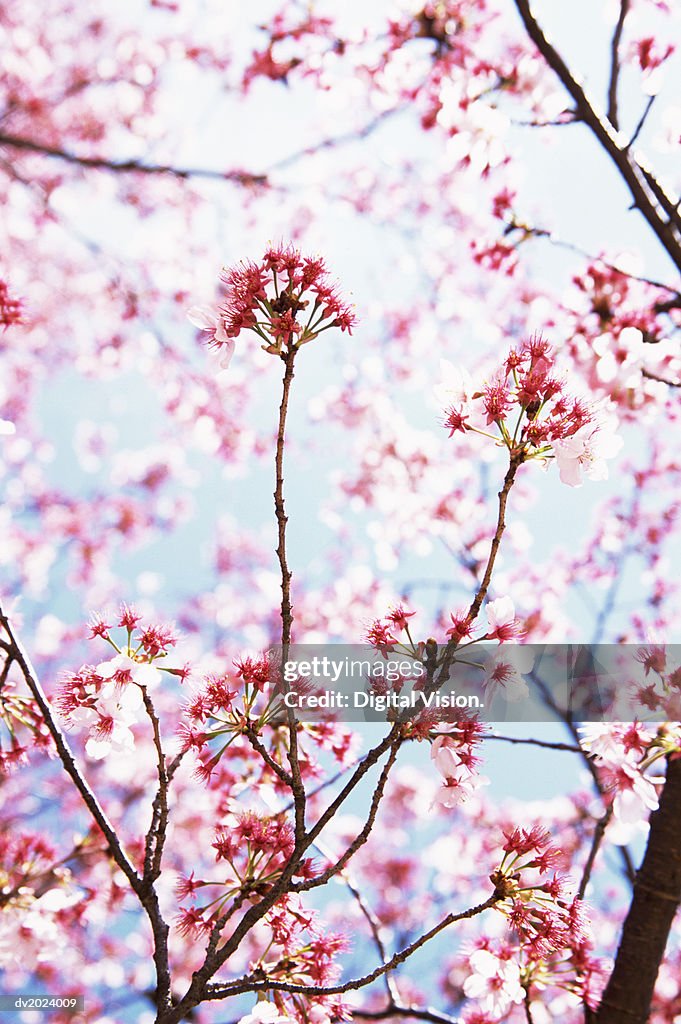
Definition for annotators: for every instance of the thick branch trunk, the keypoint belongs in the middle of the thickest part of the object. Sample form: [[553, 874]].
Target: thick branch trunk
[[657, 894]]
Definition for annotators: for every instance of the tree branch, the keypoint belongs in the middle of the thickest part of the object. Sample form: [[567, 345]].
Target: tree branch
[[246, 985], [657, 894], [514, 465], [662, 380], [643, 198], [297, 787], [132, 166], [414, 1012], [613, 116], [531, 741]]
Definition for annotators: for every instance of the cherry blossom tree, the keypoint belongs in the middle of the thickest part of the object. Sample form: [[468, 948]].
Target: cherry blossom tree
[[466, 402]]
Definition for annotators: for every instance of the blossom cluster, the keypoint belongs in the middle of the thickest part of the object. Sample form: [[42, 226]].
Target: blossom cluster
[[551, 940], [22, 728], [36, 892], [230, 712], [502, 671], [533, 413], [623, 752], [251, 851], [108, 699], [660, 689], [10, 308], [226, 707], [453, 755], [286, 299]]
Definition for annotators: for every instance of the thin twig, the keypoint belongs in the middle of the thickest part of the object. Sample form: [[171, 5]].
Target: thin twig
[[661, 380], [216, 958], [264, 753], [514, 464], [627, 863], [66, 757], [613, 116], [297, 787], [599, 833], [247, 985], [374, 925], [530, 741], [130, 166], [158, 828], [642, 120], [562, 243], [527, 1005]]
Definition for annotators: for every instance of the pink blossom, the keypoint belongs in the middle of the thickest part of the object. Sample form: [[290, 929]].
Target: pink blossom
[[142, 673], [504, 672], [502, 620], [266, 1013], [586, 452], [494, 983], [207, 318], [636, 794]]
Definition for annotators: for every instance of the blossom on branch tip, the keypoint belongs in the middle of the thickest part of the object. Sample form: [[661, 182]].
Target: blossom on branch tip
[[526, 402], [287, 300]]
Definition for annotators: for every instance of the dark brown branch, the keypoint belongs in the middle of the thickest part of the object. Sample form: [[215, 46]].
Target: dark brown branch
[[641, 121], [530, 741], [129, 166], [527, 1006], [643, 198], [369, 761], [264, 753], [155, 837], [413, 1012], [657, 894], [662, 380], [599, 833], [247, 985], [613, 116]]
